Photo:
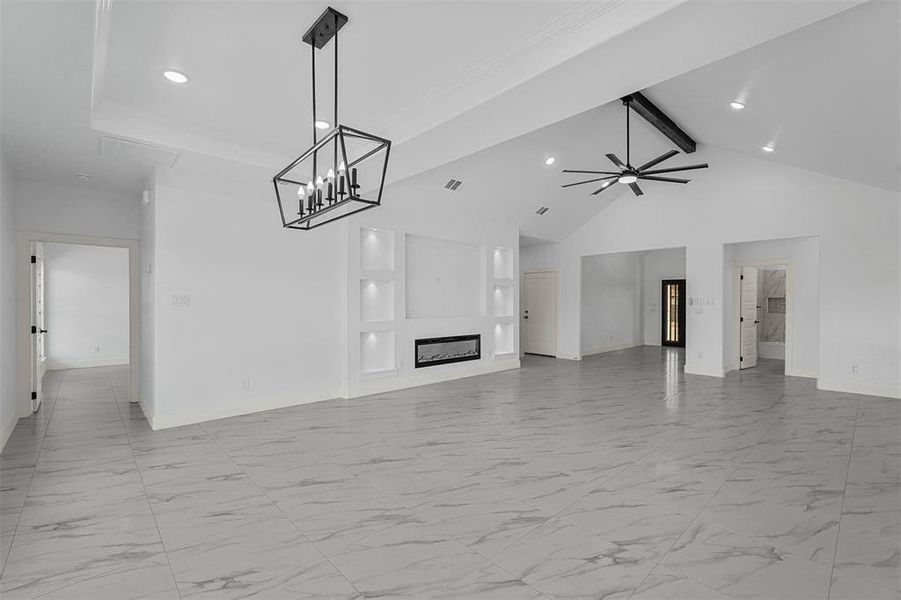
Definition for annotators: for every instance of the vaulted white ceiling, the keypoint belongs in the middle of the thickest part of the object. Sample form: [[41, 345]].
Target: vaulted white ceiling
[[826, 97], [478, 91]]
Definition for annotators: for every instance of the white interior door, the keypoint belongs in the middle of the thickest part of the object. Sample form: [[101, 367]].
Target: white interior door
[[38, 328], [540, 314], [748, 318]]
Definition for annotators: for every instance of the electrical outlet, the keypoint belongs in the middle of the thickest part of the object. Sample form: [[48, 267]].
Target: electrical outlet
[[181, 300], [97, 350], [700, 355], [855, 369], [248, 383]]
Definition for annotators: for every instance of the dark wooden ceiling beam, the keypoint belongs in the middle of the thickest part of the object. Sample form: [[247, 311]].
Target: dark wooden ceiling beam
[[656, 117]]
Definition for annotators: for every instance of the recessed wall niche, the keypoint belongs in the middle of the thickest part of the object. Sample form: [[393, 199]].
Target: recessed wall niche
[[376, 351], [503, 301], [503, 338], [376, 300], [503, 263], [376, 250]]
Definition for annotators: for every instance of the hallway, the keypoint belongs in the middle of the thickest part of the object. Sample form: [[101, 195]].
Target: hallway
[[613, 477]]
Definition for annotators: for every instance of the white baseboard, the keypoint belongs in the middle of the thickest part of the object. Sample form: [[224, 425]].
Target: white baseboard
[[569, 355], [85, 363], [850, 387], [604, 349], [706, 372], [800, 373], [164, 421], [7, 430], [370, 386]]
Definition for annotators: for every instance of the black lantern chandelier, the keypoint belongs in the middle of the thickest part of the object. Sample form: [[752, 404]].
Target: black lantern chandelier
[[326, 182]]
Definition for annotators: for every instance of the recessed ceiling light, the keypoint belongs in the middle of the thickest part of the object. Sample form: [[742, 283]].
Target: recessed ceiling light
[[82, 177], [175, 76], [323, 125], [628, 179], [768, 148], [550, 160], [737, 105]]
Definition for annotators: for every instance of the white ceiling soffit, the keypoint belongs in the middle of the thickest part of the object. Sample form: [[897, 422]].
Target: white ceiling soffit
[[405, 66], [470, 75], [826, 97]]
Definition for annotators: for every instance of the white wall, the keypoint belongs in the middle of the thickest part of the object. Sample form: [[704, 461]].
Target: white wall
[[743, 199], [8, 409], [76, 209], [658, 265], [611, 302], [86, 306], [470, 238], [247, 316], [802, 294]]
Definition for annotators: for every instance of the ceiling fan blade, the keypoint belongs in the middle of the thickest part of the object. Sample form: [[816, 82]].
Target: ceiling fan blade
[[609, 184], [674, 169], [636, 189], [588, 181], [616, 161], [658, 160], [591, 172], [667, 179]]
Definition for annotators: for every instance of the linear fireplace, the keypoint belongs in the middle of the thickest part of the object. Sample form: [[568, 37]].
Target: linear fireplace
[[450, 349]]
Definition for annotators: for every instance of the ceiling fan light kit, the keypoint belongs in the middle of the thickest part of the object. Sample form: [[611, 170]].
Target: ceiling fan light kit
[[328, 180], [629, 175]]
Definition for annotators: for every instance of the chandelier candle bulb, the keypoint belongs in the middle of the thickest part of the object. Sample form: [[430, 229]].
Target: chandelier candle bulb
[[331, 196], [341, 191]]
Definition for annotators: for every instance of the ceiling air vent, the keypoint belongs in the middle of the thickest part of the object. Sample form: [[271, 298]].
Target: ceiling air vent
[[453, 184], [123, 148], [541, 210]]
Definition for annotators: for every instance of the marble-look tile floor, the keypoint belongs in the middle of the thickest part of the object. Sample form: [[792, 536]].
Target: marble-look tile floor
[[616, 477]]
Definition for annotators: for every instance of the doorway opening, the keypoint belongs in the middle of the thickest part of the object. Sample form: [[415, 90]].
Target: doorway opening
[[673, 313], [762, 314], [79, 301], [80, 312]]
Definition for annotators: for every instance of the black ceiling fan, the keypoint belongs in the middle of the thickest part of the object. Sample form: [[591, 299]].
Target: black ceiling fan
[[630, 175]]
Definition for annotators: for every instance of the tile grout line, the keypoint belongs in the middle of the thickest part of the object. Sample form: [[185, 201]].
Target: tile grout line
[[841, 511], [706, 504], [279, 508], [131, 449], [403, 505], [34, 470]]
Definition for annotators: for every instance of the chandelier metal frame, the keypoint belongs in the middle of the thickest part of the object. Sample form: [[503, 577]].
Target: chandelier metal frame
[[324, 199]]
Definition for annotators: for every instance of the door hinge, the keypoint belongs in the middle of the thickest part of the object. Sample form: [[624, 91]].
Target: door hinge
[[34, 329], [742, 277], [741, 319], [34, 395], [34, 259], [741, 359]]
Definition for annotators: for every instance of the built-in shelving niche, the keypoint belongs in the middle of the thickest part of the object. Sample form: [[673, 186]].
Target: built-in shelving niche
[[503, 300], [503, 339], [376, 250], [376, 300], [377, 352], [503, 263]]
